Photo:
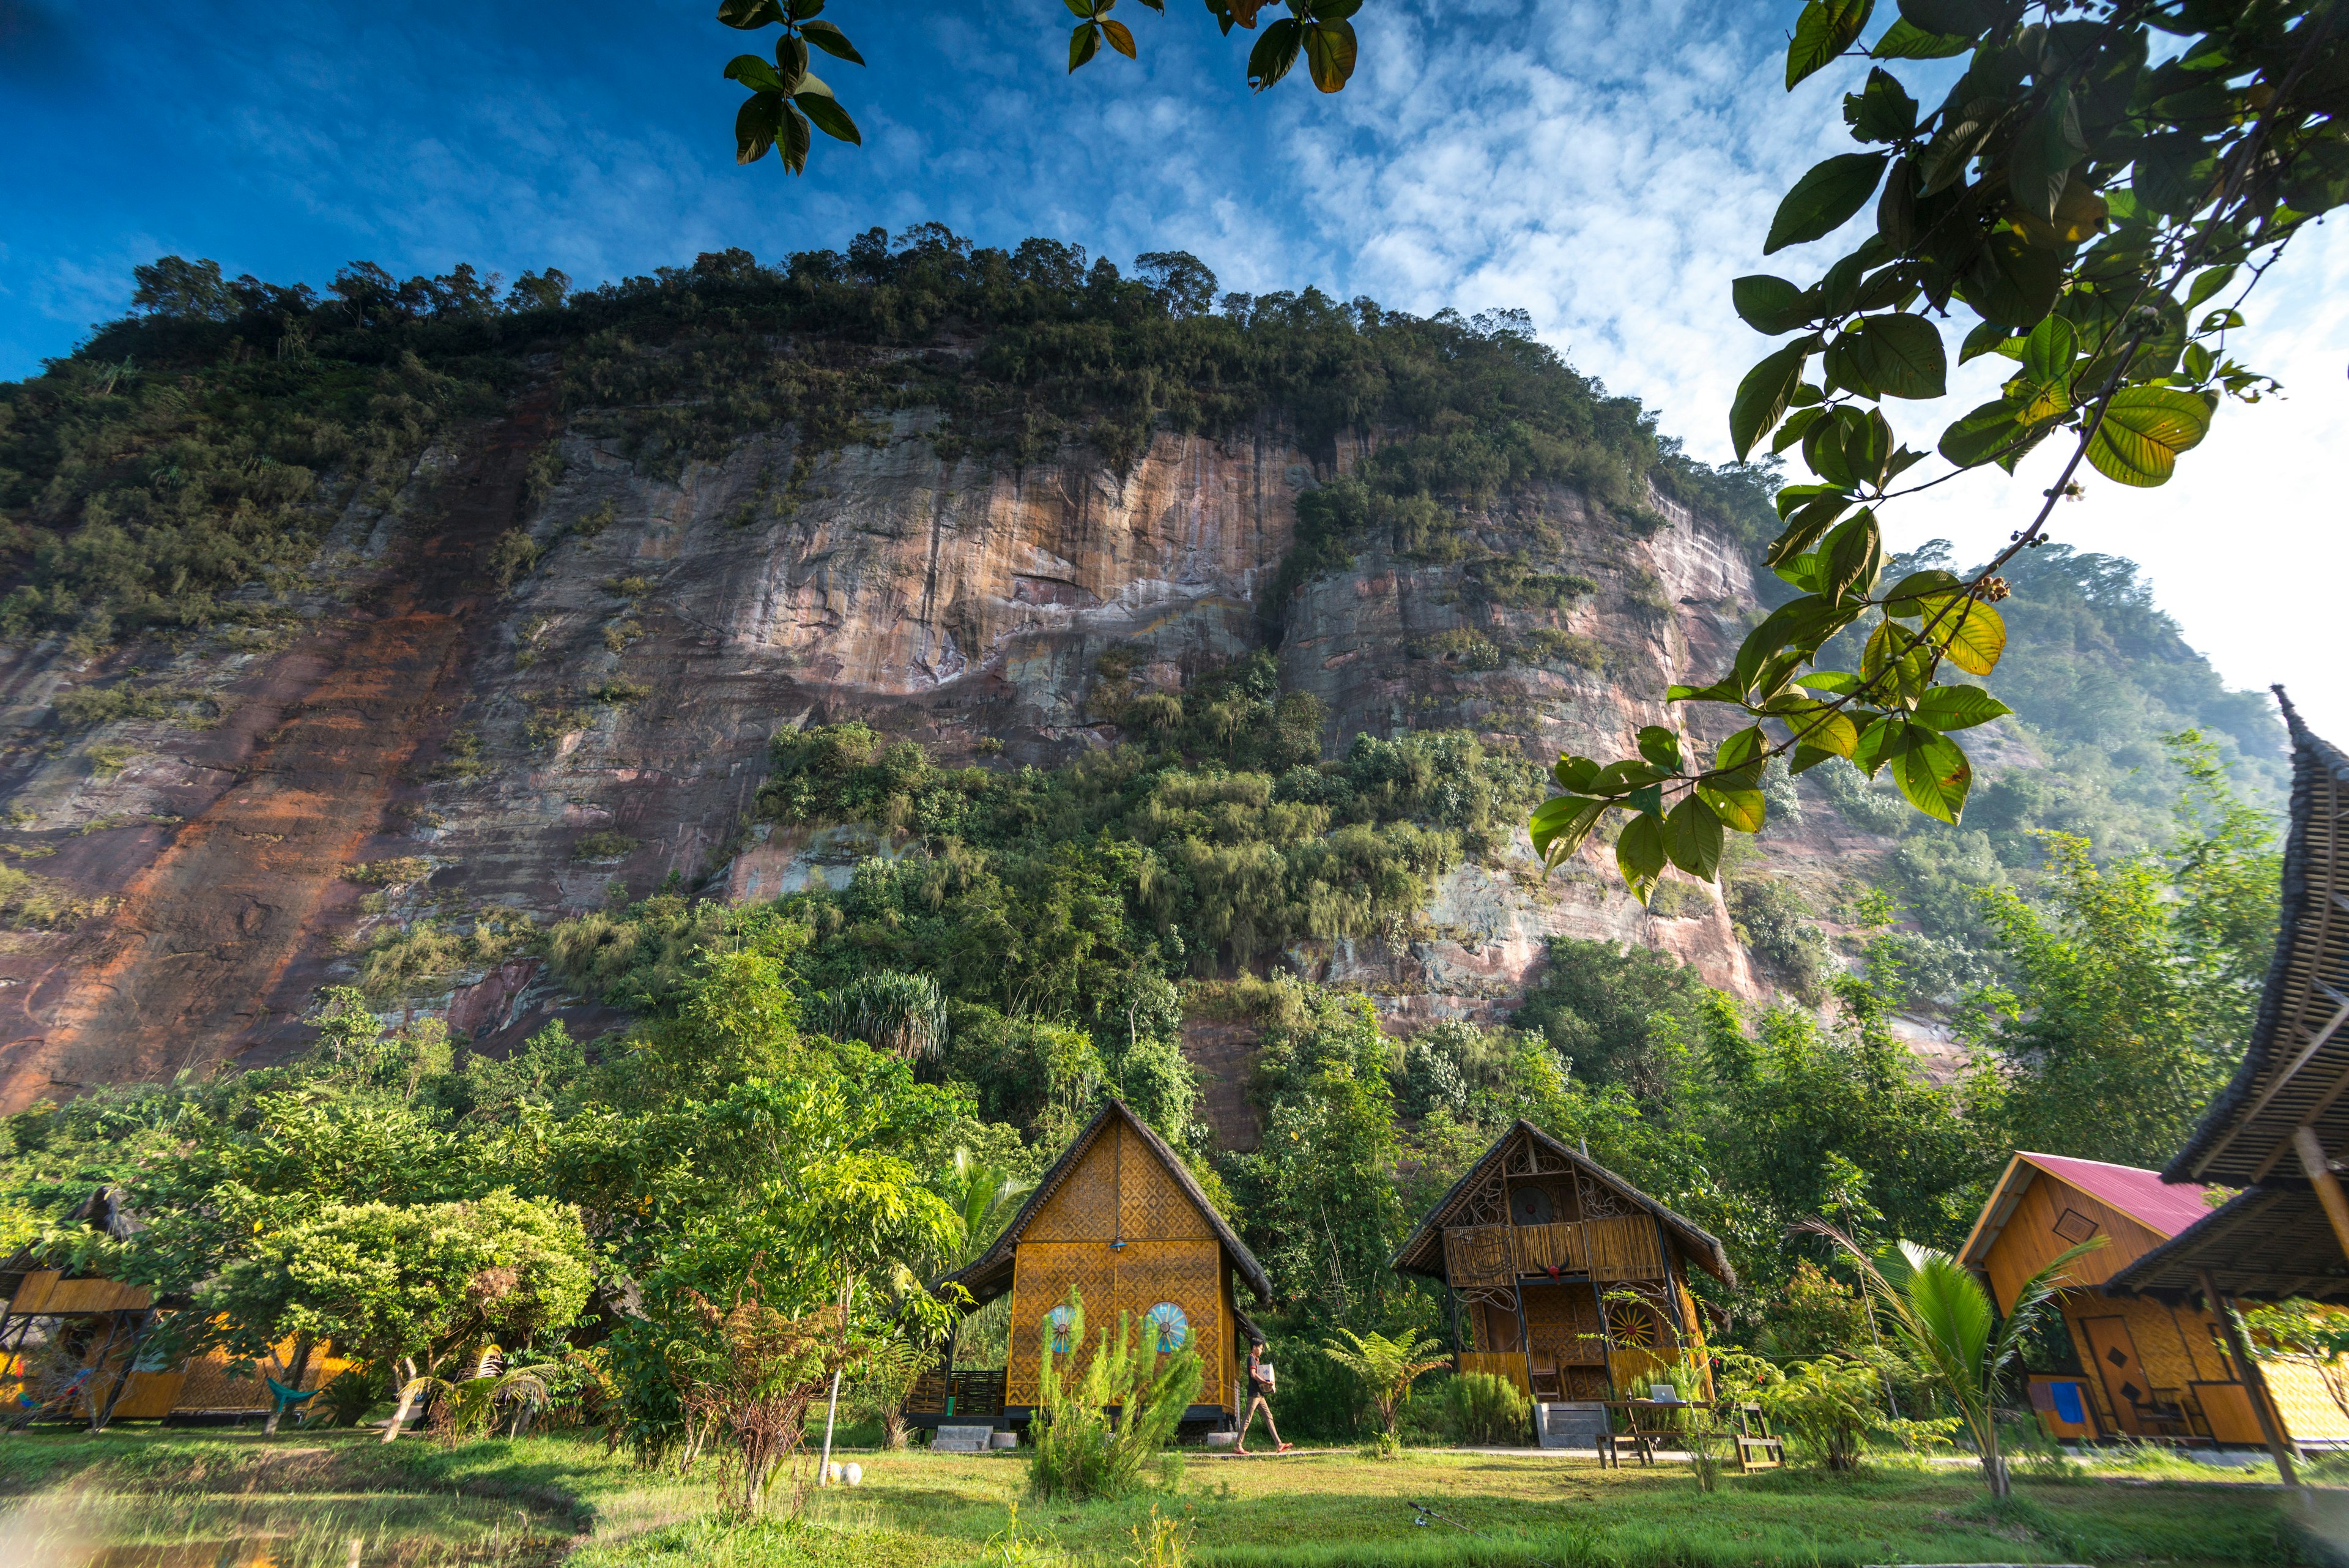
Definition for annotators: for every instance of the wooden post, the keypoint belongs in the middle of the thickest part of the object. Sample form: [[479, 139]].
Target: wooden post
[[2256, 1385], [130, 1365], [2319, 1168]]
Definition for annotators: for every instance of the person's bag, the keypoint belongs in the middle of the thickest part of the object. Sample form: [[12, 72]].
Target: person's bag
[[1264, 1375]]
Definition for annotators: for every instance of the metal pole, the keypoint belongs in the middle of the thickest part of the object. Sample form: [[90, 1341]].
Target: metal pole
[[823, 1470], [2255, 1385], [2319, 1168]]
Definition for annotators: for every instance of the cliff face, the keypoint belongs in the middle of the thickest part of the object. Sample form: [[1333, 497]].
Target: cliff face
[[607, 716]]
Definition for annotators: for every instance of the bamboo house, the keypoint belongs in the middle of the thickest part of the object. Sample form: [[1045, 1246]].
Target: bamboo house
[[1118, 1218], [2132, 1366], [1563, 1277]]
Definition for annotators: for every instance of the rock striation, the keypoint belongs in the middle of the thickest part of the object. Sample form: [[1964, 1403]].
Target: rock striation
[[604, 716]]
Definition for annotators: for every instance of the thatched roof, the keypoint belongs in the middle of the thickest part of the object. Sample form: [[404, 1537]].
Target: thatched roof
[[2270, 1243], [103, 1210], [989, 1275], [2296, 1068], [1423, 1252]]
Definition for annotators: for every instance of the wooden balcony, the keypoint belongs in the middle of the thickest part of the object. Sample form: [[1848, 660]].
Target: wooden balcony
[[1626, 1247]]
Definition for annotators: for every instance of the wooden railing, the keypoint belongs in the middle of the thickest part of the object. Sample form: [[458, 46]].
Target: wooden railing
[[1625, 1247], [966, 1391]]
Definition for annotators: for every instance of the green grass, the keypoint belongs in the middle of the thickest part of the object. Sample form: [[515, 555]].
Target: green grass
[[159, 1500]]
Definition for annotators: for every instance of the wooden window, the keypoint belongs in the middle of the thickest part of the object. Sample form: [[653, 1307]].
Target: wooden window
[[2075, 1227]]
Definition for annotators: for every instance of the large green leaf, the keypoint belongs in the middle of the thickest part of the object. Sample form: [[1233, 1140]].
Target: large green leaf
[[1560, 824], [753, 72], [1981, 436], [829, 117], [1273, 53], [750, 14], [2144, 430], [1906, 41], [832, 41], [1893, 356], [1973, 634], [1806, 527], [1933, 773], [1639, 855], [1768, 305], [1854, 557], [1824, 199], [1959, 707], [1741, 809], [2043, 154], [756, 124], [1660, 746], [1329, 53], [1964, 17], [1692, 838], [1824, 30], [792, 140], [1882, 110], [1741, 750], [1763, 396]]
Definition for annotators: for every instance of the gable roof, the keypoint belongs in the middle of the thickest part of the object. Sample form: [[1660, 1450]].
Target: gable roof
[[985, 1275], [2295, 1070], [1423, 1252], [2163, 1208]]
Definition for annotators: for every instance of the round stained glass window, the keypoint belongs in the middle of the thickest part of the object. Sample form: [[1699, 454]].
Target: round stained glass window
[[1169, 1329], [1056, 1325]]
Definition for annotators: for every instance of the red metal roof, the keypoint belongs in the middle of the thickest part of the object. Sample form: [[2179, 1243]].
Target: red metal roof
[[2164, 1207]]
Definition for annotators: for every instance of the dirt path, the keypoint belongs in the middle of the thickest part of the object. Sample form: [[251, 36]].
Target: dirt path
[[197, 955]]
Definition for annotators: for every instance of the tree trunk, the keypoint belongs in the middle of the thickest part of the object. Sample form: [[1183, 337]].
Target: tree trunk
[[301, 1348], [407, 1398], [1994, 1470]]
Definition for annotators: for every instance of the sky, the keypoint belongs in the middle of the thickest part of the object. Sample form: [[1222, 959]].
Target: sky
[[1607, 167]]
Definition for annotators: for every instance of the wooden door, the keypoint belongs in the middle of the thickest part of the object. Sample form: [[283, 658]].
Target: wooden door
[[2113, 1350]]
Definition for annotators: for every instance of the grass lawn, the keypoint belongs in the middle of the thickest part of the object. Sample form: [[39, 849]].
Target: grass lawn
[[151, 1499]]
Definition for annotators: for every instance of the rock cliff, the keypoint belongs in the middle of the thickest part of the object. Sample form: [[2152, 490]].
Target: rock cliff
[[465, 746]]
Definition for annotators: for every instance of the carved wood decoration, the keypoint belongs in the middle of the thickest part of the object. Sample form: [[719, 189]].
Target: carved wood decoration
[[1599, 1201]]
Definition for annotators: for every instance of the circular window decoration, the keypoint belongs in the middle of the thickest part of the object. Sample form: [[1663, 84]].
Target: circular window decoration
[[1170, 1330], [1530, 1206], [1631, 1326], [1057, 1325]]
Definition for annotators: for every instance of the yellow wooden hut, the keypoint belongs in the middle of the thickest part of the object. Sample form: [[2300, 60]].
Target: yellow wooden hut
[[1119, 1218], [2139, 1366], [103, 1330], [1564, 1278]]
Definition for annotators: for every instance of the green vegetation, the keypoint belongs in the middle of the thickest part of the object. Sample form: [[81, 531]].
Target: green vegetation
[[2067, 197], [946, 1510]]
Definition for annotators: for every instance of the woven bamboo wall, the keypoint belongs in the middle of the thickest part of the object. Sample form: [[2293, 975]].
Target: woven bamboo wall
[[2175, 1348], [2029, 1241], [1119, 1192]]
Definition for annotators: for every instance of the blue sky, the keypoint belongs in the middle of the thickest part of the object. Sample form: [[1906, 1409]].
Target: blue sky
[[1607, 167]]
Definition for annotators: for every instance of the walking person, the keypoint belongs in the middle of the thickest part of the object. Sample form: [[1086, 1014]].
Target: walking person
[[1260, 1385]]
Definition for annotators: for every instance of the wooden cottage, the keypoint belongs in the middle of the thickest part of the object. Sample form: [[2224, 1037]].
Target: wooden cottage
[[1564, 1278], [101, 1327], [1119, 1218], [2138, 1367]]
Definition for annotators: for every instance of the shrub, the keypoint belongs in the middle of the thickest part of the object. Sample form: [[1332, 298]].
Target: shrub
[[1078, 1454], [604, 844], [1827, 1406], [1482, 1408]]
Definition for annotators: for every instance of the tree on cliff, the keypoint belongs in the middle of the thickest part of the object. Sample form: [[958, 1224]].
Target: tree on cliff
[[2101, 208]]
